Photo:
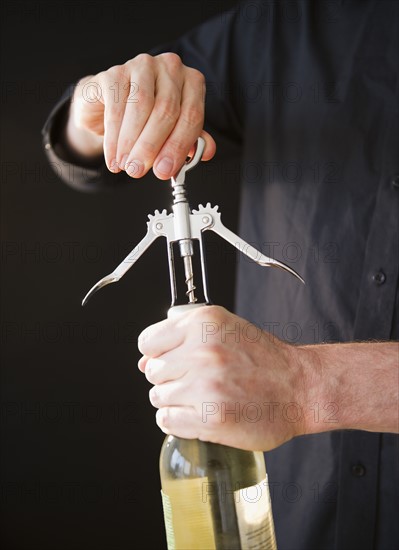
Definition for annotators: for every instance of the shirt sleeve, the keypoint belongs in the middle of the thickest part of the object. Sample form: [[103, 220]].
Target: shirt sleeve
[[89, 177], [214, 48]]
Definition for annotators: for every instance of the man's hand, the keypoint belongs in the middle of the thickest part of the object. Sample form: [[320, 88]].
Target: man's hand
[[219, 378], [147, 112]]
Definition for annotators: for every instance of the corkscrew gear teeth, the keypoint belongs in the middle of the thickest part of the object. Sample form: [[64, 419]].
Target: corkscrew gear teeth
[[183, 226]]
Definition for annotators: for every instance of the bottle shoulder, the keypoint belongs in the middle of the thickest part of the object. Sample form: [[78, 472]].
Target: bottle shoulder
[[192, 458]]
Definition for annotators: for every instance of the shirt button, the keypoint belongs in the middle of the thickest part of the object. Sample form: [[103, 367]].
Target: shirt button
[[395, 181], [379, 278], [358, 470]]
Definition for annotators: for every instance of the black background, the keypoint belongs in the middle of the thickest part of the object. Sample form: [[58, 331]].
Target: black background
[[80, 447]]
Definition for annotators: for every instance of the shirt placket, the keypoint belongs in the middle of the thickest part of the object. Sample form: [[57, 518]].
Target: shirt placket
[[360, 451]]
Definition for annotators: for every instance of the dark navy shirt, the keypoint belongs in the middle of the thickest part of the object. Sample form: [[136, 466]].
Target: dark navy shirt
[[308, 93]]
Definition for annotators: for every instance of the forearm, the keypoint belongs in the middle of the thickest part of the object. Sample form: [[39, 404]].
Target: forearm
[[358, 381]]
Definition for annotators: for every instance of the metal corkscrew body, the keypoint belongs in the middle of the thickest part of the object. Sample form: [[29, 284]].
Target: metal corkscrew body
[[183, 226]]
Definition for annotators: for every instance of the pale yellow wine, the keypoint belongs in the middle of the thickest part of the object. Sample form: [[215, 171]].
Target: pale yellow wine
[[215, 497]]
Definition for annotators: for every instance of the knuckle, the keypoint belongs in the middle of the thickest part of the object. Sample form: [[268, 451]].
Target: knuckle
[[215, 387], [141, 363], [153, 371], [167, 110], [143, 342], [193, 116], [149, 372], [86, 80], [112, 113], [178, 147], [116, 72], [210, 388], [172, 59], [217, 311], [196, 76], [154, 397], [89, 91], [99, 77], [145, 149], [210, 313], [144, 59], [213, 350], [144, 97], [163, 418], [126, 144], [217, 356]]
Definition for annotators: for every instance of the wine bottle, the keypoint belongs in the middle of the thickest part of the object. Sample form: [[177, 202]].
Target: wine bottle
[[215, 497]]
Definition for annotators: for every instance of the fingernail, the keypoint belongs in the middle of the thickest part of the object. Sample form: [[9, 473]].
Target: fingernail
[[114, 166], [165, 165], [123, 162], [134, 168]]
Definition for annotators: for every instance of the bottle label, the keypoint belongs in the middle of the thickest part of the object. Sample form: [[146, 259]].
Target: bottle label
[[188, 515], [254, 516], [167, 512]]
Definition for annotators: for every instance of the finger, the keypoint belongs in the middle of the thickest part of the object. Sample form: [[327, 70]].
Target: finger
[[173, 394], [180, 421], [209, 152], [185, 391], [166, 368], [87, 108], [187, 129], [139, 104], [161, 122], [210, 147], [114, 85], [142, 363], [186, 423], [160, 338]]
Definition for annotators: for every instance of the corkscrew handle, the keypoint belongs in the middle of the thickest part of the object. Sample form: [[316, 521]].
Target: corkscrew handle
[[180, 177], [181, 218]]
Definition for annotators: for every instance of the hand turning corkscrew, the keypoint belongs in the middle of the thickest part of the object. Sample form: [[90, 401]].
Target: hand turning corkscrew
[[183, 226]]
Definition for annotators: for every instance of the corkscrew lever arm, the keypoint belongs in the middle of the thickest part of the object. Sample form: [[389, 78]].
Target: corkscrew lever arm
[[127, 263], [208, 218], [249, 250]]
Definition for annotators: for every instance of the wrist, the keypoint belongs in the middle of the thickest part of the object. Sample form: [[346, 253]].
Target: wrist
[[319, 392], [351, 386]]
